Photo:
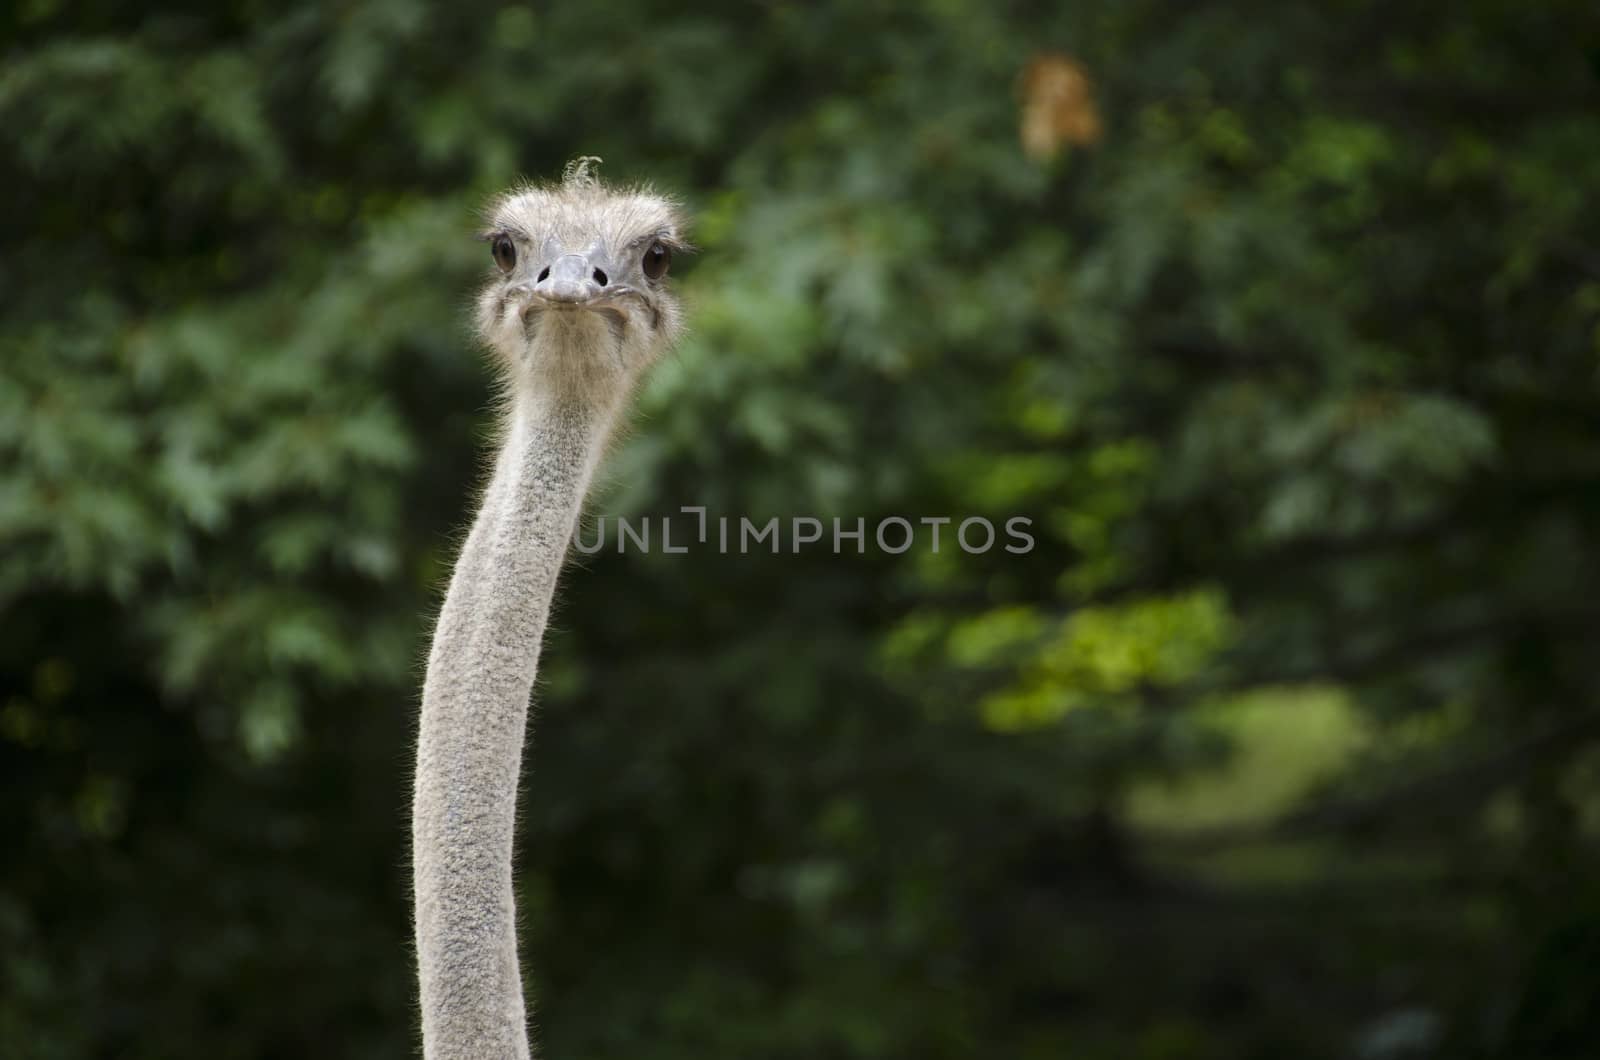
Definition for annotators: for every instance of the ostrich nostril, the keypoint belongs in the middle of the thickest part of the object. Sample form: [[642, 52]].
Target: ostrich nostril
[[544, 274], [600, 277]]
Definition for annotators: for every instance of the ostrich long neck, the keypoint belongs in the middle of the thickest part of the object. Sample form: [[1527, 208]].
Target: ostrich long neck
[[474, 708]]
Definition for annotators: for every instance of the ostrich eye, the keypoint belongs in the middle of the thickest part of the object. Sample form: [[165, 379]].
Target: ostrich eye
[[656, 260], [504, 251]]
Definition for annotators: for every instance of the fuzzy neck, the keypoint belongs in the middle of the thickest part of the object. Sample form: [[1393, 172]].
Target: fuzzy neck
[[474, 709]]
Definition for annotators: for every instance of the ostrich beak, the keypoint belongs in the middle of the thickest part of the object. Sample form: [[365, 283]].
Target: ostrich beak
[[571, 280]]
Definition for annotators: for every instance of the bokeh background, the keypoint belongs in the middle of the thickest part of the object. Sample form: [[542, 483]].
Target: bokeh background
[[1281, 321]]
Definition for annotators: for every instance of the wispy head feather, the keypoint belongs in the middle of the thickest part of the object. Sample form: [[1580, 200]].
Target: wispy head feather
[[579, 172]]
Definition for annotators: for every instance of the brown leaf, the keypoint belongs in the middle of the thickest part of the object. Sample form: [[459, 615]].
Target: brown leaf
[[1057, 106]]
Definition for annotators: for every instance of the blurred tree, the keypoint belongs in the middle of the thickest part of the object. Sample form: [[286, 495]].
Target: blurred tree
[[1281, 323]]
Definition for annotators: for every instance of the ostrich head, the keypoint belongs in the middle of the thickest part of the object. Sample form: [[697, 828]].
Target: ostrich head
[[579, 305]]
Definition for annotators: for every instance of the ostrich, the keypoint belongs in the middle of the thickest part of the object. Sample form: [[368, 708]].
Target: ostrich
[[575, 314]]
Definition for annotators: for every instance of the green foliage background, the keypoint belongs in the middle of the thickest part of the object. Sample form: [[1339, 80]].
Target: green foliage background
[[1281, 742]]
